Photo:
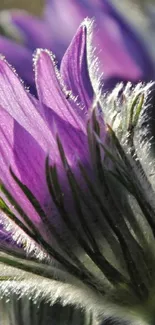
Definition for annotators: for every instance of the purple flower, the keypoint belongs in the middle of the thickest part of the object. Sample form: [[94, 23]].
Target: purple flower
[[122, 54], [44, 150], [76, 184], [42, 137]]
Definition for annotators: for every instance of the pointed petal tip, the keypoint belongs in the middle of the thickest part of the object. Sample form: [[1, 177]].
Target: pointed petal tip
[[41, 58], [87, 23], [42, 54], [74, 67], [39, 51]]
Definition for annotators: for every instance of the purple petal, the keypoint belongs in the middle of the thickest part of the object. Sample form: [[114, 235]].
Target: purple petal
[[51, 90], [23, 143], [35, 31], [27, 112], [74, 69], [131, 42], [19, 150], [74, 141], [20, 58], [26, 139], [17, 102]]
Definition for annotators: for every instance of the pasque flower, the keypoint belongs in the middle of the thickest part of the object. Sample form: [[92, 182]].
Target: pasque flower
[[122, 54], [77, 189]]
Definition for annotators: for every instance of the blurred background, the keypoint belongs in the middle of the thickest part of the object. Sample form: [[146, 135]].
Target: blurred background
[[34, 6], [128, 7]]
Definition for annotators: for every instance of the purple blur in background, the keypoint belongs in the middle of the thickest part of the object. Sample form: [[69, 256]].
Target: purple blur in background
[[122, 54]]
